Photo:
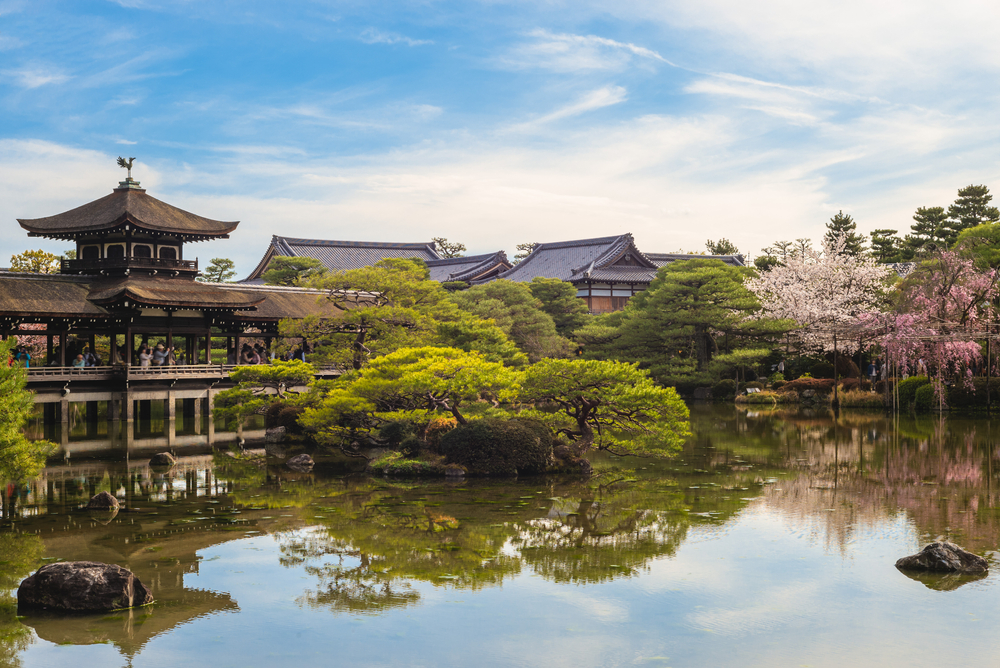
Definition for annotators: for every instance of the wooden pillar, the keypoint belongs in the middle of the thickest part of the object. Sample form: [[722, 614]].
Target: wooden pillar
[[236, 350], [208, 348], [129, 407], [64, 411], [129, 341], [62, 347], [48, 348], [171, 412]]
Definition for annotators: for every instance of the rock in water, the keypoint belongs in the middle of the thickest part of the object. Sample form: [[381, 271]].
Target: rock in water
[[300, 463], [103, 501], [82, 586], [943, 557], [162, 459], [275, 435]]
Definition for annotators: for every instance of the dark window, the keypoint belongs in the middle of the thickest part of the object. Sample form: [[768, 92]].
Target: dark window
[[116, 251], [168, 253], [141, 251], [91, 253]]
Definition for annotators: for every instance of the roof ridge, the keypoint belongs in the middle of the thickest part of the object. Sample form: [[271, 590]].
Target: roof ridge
[[296, 241]]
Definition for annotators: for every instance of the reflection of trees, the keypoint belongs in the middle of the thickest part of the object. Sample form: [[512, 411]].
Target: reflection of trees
[[20, 553], [613, 530], [860, 469]]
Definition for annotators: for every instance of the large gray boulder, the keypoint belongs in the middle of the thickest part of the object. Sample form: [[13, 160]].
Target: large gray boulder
[[943, 557], [103, 501], [82, 586], [301, 463]]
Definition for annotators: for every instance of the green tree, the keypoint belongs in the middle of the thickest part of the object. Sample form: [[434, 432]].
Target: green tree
[[780, 250], [801, 247], [722, 247], [287, 270], [524, 250], [607, 405], [220, 270], [843, 224], [35, 262], [886, 246], [765, 262], [674, 328], [19, 457], [69, 254], [559, 300], [982, 242], [931, 231], [972, 208], [469, 333], [519, 314], [446, 249], [259, 385]]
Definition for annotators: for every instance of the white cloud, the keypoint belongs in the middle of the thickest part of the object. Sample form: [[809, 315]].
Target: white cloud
[[562, 52], [595, 99], [376, 36], [34, 76]]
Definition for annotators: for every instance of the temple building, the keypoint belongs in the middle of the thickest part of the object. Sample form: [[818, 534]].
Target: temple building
[[606, 271], [131, 284], [343, 255]]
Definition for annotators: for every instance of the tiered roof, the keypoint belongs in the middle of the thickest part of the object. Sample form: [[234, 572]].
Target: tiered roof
[[469, 268], [127, 206]]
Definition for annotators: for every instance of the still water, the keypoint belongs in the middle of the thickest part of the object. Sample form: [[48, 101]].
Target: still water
[[769, 542]]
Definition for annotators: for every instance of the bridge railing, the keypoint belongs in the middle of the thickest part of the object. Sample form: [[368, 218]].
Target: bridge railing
[[169, 372]]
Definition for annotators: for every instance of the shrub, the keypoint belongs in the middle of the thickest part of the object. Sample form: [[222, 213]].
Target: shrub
[[394, 463], [777, 384], [821, 370], [861, 399], [437, 428], [271, 416], [776, 377], [846, 368], [806, 375], [925, 399], [752, 384], [724, 388], [961, 396], [394, 433], [288, 417], [817, 384], [907, 390], [492, 446]]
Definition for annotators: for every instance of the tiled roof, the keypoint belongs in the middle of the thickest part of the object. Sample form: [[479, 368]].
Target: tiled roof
[[54, 295], [573, 260], [341, 255], [469, 268], [126, 205], [661, 259], [172, 292], [617, 275]]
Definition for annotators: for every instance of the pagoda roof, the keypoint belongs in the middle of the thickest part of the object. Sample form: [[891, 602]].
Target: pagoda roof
[[341, 255], [128, 205], [577, 260], [53, 295], [469, 268]]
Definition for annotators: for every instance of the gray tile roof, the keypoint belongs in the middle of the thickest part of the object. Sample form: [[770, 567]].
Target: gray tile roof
[[340, 255], [467, 268], [585, 259], [661, 259]]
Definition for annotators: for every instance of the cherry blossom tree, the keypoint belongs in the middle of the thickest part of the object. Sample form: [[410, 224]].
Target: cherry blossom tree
[[826, 292]]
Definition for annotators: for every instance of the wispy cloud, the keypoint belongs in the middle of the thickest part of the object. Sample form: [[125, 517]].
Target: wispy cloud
[[595, 99], [376, 36], [126, 142], [34, 76], [564, 52]]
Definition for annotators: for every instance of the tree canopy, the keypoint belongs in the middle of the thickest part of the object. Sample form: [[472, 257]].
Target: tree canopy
[[219, 270], [842, 226], [20, 458], [289, 270], [445, 248], [559, 300], [35, 262], [521, 315], [722, 247]]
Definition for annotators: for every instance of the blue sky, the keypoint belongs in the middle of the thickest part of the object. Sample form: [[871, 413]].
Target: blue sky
[[494, 123]]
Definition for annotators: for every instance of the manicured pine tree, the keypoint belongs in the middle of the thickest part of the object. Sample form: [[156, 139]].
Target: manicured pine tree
[[843, 224]]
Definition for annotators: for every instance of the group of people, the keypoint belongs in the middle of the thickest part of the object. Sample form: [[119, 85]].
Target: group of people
[[257, 354], [159, 355], [19, 355], [86, 358]]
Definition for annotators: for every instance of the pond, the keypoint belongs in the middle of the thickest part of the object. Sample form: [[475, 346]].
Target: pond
[[770, 541]]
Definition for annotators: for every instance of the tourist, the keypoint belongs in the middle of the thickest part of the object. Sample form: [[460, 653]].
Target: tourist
[[79, 362], [160, 355], [24, 357], [145, 356], [246, 354]]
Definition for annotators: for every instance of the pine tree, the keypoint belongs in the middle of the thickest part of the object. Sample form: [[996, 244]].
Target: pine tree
[[885, 246], [931, 230], [843, 224], [447, 249], [722, 247], [19, 457], [970, 209]]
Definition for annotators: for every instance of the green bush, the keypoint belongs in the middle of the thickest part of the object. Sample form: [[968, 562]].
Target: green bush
[[288, 417], [961, 396], [776, 377], [907, 390], [492, 446], [821, 370], [846, 368], [777, 384], [925, 399], [724, 388]]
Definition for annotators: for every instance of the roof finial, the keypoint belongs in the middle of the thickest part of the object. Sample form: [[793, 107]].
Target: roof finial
[[128, 183]]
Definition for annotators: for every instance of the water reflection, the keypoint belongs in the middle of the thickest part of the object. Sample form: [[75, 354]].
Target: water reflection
[[348, 545]]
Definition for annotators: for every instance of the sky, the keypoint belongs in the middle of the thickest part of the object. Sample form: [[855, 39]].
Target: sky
[[494, 122]]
